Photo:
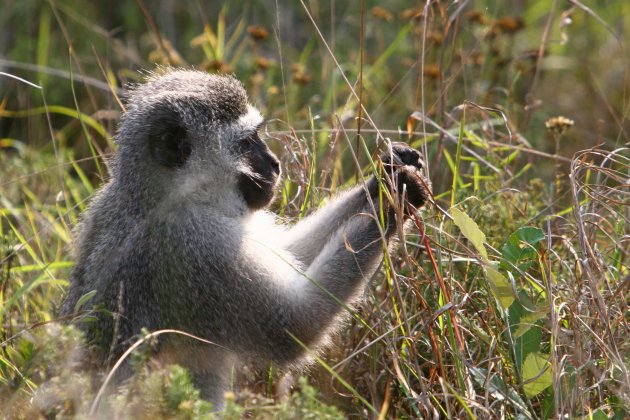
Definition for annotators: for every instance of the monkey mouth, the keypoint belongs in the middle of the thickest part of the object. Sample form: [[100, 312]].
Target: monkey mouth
[[257, 192]]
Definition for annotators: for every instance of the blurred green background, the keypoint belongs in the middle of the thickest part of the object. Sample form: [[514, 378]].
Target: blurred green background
[[486, 52]]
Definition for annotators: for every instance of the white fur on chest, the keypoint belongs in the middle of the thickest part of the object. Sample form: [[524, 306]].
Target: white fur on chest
[[262, 243]]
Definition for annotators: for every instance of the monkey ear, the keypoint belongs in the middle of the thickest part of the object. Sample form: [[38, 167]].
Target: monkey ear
[[170, 146]]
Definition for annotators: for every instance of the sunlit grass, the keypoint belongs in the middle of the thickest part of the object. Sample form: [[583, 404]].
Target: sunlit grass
[[508, 296]]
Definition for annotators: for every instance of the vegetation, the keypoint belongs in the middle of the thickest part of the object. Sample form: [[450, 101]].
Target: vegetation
[[509, 298]]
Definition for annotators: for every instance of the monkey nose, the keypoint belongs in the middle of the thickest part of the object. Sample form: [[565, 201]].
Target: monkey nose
[[275, 164]]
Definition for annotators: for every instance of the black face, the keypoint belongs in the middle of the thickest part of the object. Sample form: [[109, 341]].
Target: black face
[[257, 188]]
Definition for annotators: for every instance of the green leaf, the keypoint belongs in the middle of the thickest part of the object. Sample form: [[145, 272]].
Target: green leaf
[[527, 344], [89, 295], [526, 334], [528, 320], [536, 374], [57, 109], [18, 145], [522, 244], [470, 230], [500, 286], [599, 414], [499, 390], [548, 404]]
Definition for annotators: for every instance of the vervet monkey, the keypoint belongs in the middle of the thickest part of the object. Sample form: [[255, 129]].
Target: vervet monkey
[[179, 238]]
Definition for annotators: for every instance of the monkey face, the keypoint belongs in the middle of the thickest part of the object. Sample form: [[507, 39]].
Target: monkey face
[[200, 136], [234, 150], [258, 182]]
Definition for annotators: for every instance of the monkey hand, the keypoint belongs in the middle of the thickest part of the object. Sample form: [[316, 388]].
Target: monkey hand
[[403, 169]]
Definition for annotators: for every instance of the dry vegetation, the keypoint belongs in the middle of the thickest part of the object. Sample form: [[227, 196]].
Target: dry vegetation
[[509, 298]]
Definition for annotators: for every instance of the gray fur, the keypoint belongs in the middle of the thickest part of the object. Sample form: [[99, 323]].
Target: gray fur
[[179, 248]]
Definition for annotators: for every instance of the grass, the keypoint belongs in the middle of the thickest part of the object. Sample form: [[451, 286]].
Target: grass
[[509, 295]]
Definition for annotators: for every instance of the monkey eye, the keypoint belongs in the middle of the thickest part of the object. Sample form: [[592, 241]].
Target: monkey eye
[[249, 142], [254, 137]]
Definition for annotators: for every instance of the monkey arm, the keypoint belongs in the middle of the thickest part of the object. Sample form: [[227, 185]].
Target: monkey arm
[[307, 238], [306, 302], [349, 259], [402, 165]]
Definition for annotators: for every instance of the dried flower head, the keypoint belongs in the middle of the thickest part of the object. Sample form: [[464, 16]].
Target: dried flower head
[[475, 16], [258, 32], [302, 78], [509, 24], [382, 13], [300, 74], [558, 125], [435, 37], [218, 65], [411, 14], [432, 71], [263, 63]]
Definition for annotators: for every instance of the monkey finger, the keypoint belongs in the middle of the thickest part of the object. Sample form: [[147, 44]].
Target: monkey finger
[[414, 184], [402, 154]]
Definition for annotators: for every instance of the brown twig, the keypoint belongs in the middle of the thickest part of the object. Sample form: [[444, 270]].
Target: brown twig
[[445, 291]]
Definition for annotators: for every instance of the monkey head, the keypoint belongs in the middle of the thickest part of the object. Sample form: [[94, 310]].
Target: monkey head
[[190, 135]]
